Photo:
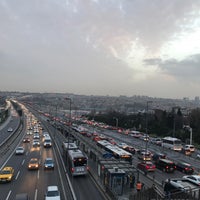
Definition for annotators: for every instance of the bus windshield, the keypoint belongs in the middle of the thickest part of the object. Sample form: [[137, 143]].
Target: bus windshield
[[177, 142]]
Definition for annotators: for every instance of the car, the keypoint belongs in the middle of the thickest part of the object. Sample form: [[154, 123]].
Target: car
[[6, 174], [166, 165], [47, 142], [185, 167], [52, 193], [193, 179], [33, 164], [10, 129], [147, 166], [122, 145], [26, 140], [36, 136], [189, 147], [48, 163], [19, 150], [157, 141], [144, 155], [22, 196], [130, 149], [36, 144], [157, 156]]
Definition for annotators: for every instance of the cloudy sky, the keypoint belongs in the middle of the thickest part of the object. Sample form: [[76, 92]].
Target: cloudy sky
[[101, 47]]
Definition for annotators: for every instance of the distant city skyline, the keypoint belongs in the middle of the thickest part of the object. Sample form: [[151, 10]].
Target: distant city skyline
[[101, 47]]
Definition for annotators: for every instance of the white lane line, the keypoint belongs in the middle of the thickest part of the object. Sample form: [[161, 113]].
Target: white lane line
[[35, 198], [23, 161], [8, 195], [17, 175], [38, 174]]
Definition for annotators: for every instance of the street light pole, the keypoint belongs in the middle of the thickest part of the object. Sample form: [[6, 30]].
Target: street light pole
[[117, 120], [147, 109], [70, 103]]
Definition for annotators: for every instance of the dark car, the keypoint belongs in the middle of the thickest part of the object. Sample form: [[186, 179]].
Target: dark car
[[26, 140], [157, 156], [185, 167], [166, 165]]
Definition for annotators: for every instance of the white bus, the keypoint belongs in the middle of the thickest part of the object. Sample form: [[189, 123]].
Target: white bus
[[172, 143], [77, 162]]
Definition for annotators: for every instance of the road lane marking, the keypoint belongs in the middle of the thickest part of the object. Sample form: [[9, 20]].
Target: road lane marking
[[17, 175], [38, 174], [8, 195], [35, 197], [23, 161]]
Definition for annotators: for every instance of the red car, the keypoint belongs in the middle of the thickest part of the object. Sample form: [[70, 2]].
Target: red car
[[147, 166]]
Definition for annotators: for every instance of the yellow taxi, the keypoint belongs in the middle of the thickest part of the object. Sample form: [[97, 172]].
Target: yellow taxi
[[6, 174]]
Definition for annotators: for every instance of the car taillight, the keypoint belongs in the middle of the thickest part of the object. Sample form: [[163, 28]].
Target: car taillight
[[167, 167], [72, 170], [147, 166], [88, 168]]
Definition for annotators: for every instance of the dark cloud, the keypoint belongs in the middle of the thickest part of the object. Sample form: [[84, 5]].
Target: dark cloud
[[81, 46]]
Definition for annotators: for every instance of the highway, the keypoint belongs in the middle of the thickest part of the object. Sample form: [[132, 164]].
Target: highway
[[35, 182], [81, 188]]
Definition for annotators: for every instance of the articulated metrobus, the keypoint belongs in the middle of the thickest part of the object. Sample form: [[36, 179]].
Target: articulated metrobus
[[117, 152], [172, 143]]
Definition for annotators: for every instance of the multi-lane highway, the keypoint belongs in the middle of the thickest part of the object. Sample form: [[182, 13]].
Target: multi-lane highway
[[35, 182]]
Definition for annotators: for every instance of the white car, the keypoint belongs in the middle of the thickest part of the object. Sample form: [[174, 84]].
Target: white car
[[190, 147], [193, 179], [52, 193], [19, 151], [10, 129]]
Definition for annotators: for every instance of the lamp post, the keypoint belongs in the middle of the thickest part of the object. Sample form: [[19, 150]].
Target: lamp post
[[147, 109], [117, 121], [70, 103], [190, 130]]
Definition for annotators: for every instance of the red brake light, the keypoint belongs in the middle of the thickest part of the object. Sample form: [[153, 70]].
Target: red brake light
[[72, 170]]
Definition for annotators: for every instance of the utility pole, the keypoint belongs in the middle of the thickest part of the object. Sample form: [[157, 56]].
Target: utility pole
[[147, 109]]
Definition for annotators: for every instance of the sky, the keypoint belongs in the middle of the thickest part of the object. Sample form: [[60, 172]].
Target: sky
[[101, 47]]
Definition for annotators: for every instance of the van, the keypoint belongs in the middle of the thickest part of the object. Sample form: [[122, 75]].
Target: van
[[47, 142], [166, 165]]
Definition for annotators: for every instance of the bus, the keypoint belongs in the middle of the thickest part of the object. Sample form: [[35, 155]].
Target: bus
[[116, 151], [77, 162], [172, 143], [75, 159]]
